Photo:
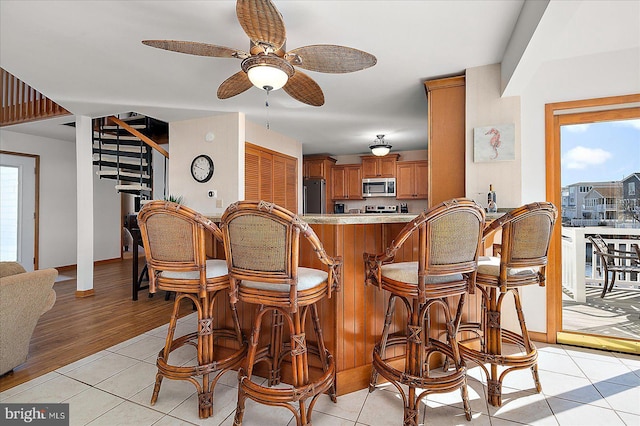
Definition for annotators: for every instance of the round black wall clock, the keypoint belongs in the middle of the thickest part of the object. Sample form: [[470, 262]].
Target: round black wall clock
[[202, 168]]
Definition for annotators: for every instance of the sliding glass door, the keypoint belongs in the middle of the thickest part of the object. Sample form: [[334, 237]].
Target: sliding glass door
[[596, 187]]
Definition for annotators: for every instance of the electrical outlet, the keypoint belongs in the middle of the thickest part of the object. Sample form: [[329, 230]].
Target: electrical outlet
[[213, 193]]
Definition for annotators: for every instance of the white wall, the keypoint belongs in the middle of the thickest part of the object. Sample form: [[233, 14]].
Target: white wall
[[187, 141], [58, 201], [485, 107], [586, 77], [227, 151], [523, 181]]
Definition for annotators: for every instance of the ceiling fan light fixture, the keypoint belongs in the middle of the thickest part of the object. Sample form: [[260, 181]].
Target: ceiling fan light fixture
[[267, 72], [379, 147]]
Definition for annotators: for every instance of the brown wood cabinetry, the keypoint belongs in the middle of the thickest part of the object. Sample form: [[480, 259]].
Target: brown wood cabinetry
[[412, 180], [346, 182], [271, 176], [318, 167], [446, 129], [374, 167]]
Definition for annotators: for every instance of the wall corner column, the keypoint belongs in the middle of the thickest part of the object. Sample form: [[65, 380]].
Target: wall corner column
[[84, 206]]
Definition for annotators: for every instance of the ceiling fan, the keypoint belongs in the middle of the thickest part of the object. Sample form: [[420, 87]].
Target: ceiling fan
[[268, 65]]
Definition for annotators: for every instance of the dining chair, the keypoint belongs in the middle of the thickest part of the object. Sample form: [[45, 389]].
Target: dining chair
[[614, 261]]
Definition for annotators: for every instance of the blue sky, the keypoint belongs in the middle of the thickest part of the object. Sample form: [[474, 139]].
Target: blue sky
[[600, 152]]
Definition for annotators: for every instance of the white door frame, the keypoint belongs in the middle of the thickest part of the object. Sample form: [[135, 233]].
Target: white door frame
[[28, 205]]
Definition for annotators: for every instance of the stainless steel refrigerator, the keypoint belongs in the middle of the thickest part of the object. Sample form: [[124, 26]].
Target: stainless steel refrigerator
[[314, 196]]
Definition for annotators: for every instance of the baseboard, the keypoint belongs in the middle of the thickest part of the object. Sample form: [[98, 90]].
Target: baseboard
[[538, 337], [97, 262], [84, 293], [599, 342]]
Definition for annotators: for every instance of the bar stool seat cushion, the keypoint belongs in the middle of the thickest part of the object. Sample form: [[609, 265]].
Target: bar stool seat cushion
[[407, 272], [308, 278], [215, 268], [490, 265]]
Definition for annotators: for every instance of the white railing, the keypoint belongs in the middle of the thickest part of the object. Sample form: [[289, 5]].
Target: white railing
[[577, 274]]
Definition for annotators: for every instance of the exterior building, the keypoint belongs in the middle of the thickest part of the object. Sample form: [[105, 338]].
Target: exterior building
[[631, 196], [575, 199], [603, 202]]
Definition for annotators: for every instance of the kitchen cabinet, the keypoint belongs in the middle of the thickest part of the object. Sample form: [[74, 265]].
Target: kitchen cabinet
[[379, 167], [446, 130], [271, 176], [412, 180], [346, 182], [317, 167]]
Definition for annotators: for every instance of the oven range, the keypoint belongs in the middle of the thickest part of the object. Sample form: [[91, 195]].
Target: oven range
[[381, 209]]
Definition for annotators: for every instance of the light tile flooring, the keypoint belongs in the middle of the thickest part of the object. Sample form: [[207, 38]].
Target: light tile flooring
[[580, 387]]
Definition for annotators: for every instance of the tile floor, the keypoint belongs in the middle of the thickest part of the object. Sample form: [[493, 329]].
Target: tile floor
[[581, 387]]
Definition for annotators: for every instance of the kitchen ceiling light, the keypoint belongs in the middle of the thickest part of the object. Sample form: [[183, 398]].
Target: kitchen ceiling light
[[379, 147], [267, 72]]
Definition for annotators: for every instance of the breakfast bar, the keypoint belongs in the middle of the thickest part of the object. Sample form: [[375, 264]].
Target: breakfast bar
[[352, 319]]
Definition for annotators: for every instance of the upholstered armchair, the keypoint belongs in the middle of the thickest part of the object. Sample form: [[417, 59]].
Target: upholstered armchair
[[24, 297]]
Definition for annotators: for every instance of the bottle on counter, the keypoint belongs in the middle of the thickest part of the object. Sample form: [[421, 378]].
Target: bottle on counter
[[492, 206]]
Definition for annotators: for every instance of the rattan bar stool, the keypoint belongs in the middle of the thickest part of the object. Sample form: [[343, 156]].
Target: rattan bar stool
[[174, 236], [519, 261], [449, 237], [261, 244]]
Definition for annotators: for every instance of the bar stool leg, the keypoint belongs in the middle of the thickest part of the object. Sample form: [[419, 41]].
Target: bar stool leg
[[205, 347], [167, 346], [493, 341], [391, 308], [276, 347], [452, 332], [529, 347], [322, 349], [246, 371]]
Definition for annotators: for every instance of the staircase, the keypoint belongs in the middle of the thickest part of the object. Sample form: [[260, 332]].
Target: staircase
[[122, 150]]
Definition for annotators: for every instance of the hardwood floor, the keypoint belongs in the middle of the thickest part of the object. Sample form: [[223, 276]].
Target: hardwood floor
[[77, 327]]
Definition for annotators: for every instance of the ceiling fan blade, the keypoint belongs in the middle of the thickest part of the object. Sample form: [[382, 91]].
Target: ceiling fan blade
[[330, 58], [196, 48], [234, 85], [262, 22], [302, 87]]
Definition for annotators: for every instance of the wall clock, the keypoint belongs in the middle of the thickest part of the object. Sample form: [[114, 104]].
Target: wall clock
[[202, 168]]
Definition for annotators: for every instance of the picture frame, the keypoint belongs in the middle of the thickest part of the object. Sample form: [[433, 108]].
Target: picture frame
[[494, 143]]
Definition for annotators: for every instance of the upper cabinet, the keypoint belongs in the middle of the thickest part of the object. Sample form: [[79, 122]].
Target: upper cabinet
[[375, 167], [446, 130], [346, 182], [318, 167], [412, 180]]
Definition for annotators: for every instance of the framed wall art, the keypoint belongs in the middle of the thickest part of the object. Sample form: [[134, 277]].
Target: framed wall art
[[494, 143]]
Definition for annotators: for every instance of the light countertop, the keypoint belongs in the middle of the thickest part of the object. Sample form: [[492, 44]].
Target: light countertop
[[357, 218]]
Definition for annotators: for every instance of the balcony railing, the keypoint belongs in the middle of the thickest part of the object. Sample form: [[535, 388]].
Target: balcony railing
[[581, 268], [21, 103]]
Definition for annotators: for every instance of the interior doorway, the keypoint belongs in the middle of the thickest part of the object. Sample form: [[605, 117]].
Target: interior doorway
[[19, 208], [590, 166]]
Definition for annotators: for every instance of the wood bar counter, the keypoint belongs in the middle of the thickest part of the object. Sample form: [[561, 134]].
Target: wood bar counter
[[352, 319]]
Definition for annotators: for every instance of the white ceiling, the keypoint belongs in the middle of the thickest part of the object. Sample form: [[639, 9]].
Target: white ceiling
[[88, 57]]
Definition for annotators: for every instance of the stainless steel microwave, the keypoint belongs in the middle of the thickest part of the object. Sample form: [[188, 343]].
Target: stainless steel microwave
[[379, 187]]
